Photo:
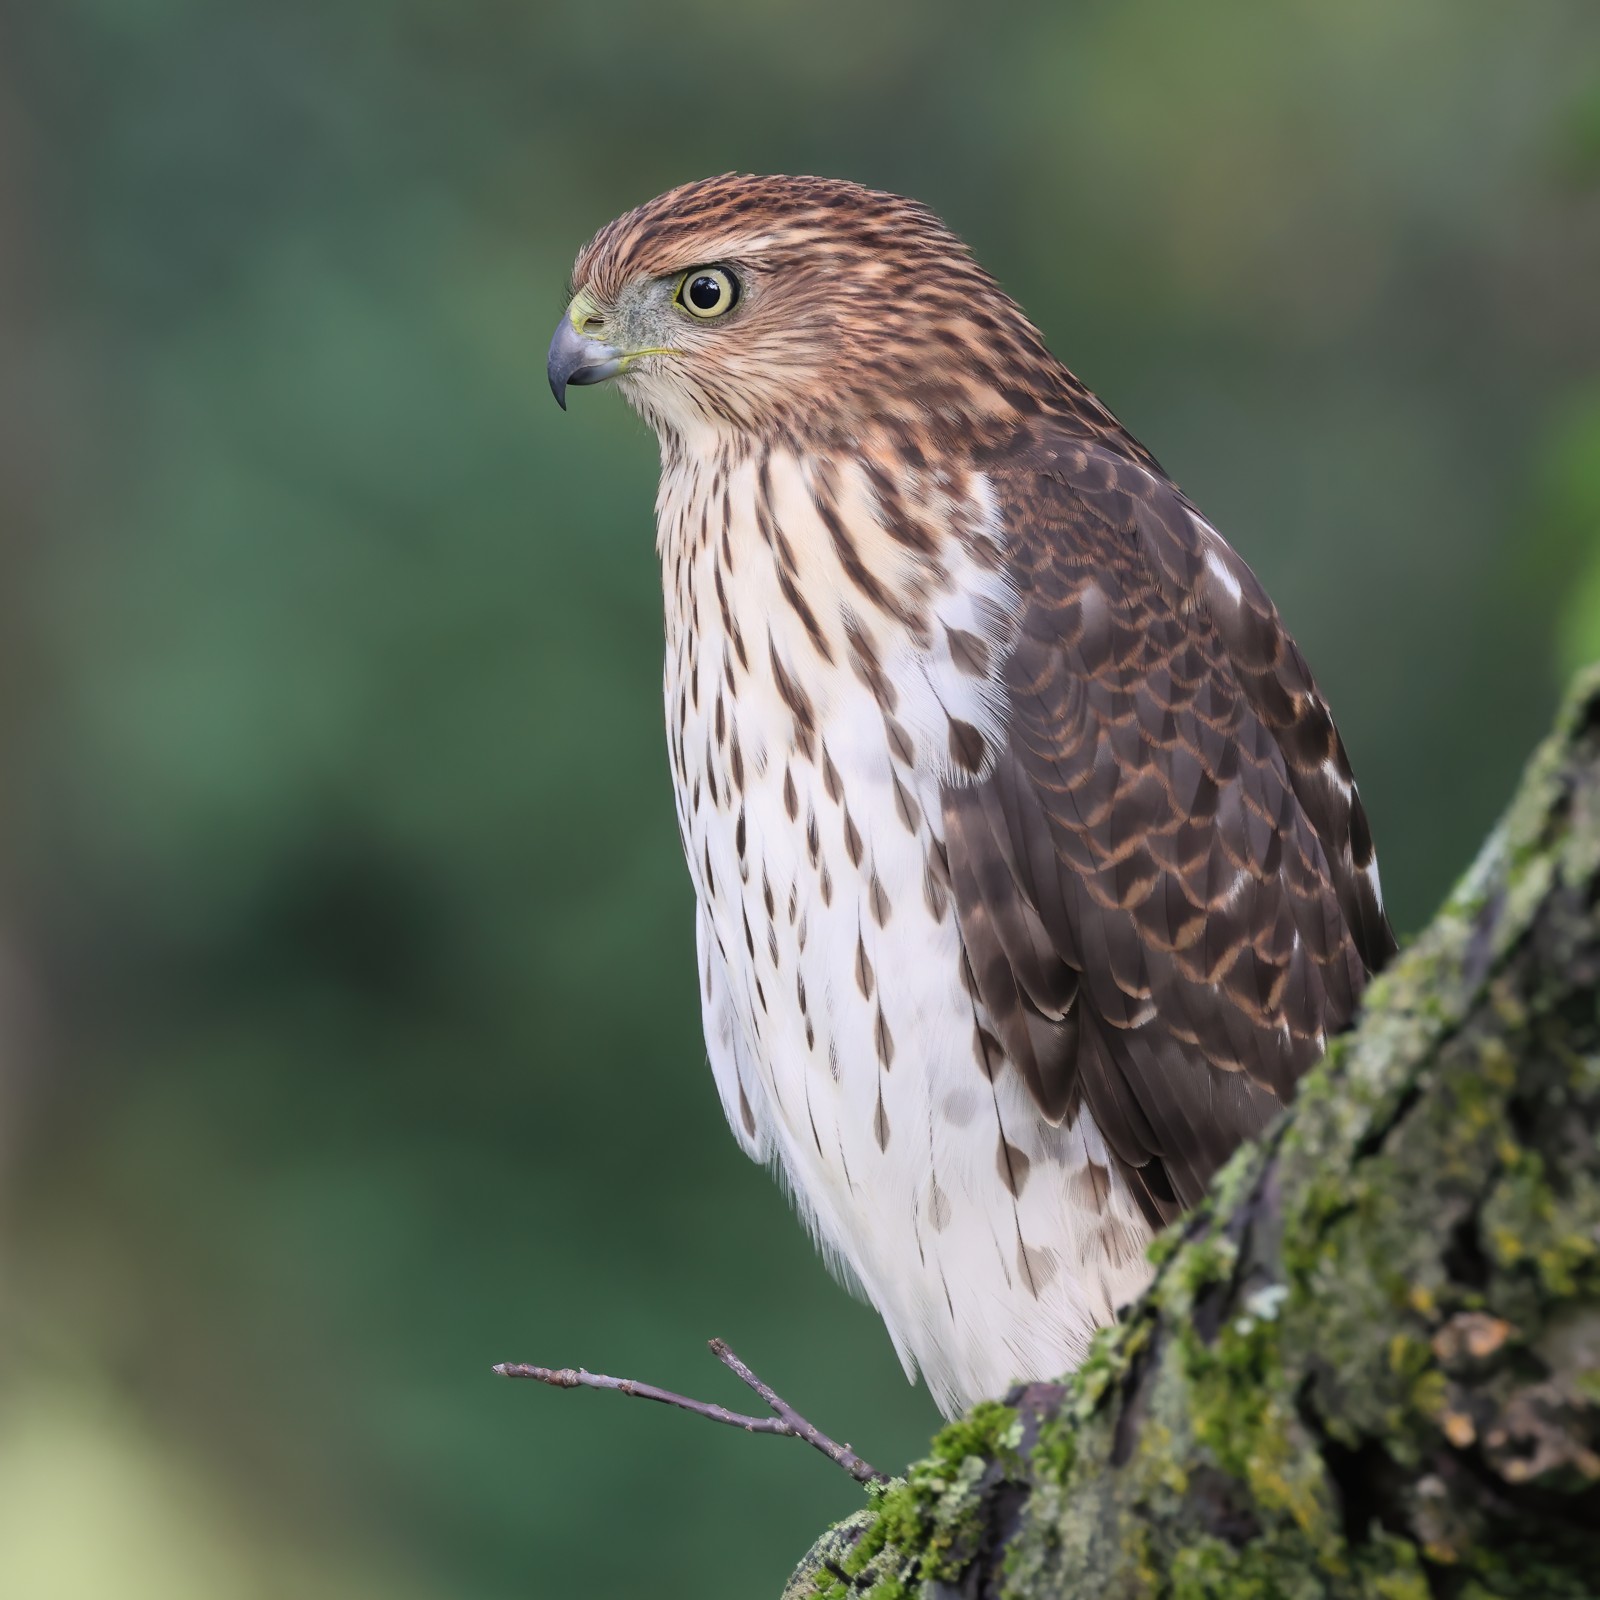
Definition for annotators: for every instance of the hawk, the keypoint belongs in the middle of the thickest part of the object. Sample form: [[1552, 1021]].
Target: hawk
[[1031, 873]]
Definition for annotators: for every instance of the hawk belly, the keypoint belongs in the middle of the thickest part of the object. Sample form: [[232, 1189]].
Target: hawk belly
[[813, 726]]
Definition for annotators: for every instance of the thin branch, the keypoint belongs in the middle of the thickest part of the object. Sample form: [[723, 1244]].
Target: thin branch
[[786, 1421], [794, 1424]]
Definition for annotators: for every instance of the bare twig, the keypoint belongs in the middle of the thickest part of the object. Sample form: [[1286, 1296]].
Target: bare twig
[[785, 1421]]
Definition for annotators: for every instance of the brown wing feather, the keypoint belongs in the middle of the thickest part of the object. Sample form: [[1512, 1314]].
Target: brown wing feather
[[1164, 883]]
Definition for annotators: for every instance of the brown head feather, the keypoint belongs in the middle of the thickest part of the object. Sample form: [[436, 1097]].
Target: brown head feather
[[861, 311]]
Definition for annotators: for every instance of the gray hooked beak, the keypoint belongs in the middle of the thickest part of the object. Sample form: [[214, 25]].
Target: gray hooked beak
[[576, 358]]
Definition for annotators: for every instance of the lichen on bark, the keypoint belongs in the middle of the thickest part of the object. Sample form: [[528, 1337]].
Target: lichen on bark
[[1369, 1364]]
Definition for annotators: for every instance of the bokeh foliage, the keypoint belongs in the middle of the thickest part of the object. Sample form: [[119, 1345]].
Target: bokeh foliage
[[351, 1038]]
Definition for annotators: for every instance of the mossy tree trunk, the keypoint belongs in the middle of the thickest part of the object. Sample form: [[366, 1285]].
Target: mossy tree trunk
[[1370, 1364]]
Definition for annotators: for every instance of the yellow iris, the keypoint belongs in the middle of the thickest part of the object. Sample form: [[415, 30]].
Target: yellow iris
[[708, 292]]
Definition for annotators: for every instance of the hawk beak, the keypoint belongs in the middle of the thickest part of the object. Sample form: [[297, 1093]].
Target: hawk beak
[[576, 358]]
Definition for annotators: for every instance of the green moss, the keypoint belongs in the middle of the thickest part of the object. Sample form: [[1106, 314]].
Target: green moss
[[1209, 1260], [1390, 1569], [1208, 1569], [930, 1524], [1525, 1224], [1055, 1451], [1242, 1413], [1163, 1247], [814, 1578]]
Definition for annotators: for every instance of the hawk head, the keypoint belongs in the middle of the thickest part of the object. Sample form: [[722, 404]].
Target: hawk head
[[802, 307]]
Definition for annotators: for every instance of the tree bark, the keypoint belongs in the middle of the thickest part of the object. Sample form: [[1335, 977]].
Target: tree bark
[[1369, 1365]]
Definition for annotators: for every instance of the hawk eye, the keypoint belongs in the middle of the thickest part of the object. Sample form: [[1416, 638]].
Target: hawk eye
[[708, 292]]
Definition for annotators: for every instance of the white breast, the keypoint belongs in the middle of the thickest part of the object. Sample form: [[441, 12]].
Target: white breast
[[824, 680]]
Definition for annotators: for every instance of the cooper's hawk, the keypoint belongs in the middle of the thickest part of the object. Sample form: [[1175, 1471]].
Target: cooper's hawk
[[1031, 871]]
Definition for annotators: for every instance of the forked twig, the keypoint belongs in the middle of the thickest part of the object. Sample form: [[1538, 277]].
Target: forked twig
[[785, 1420]]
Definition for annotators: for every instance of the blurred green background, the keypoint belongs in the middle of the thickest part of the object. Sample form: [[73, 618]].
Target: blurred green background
[[348, 1033]]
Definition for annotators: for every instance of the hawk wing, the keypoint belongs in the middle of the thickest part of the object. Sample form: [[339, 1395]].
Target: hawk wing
[[1166, 884]]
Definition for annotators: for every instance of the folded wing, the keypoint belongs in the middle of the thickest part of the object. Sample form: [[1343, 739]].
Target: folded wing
[[1166, 884]]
